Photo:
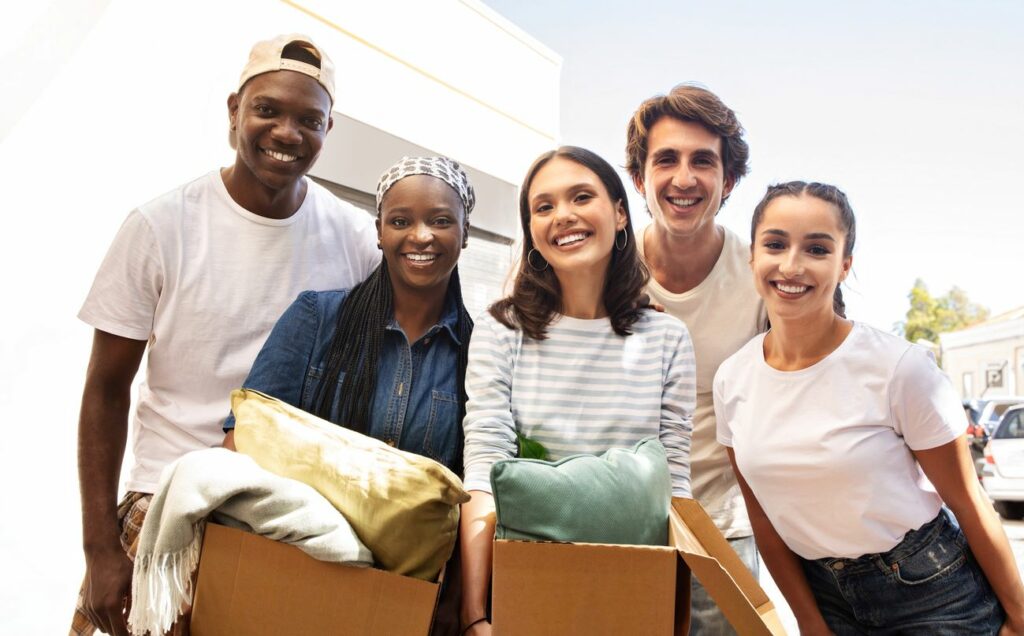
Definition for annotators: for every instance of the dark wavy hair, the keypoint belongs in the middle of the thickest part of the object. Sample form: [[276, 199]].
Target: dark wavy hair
[[827, 193], [688, 102], [537, 296]]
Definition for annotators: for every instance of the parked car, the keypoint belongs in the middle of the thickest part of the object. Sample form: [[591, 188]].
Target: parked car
[[1003, 472]]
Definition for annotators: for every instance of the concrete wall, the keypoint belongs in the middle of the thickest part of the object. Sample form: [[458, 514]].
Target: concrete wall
[[108, 103]]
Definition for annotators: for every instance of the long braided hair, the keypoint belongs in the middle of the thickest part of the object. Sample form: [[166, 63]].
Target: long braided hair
[[360, 328], [355, 349]]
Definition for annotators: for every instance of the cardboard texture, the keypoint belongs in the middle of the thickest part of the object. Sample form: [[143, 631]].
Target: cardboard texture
[[251, 585], [559, 588]]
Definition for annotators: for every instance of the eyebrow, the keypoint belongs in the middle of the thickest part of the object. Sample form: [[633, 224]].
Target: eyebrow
[[573, 189], [274, 101], [813, 236]]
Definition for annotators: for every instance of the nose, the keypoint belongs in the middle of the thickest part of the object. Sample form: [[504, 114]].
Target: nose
[[791, 265], [286, 131], [421, 233], [683, 177], [565, 214]]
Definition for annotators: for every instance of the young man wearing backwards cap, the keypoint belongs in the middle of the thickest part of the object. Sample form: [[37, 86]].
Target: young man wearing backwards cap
[[201, 274]]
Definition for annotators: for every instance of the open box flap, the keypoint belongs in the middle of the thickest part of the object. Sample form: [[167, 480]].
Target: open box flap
[[713, 561]]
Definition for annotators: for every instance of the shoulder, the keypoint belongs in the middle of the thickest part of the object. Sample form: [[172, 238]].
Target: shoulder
[[323, 302], [884, 348], [328, 206], [743, 359], [178, 200], [651, 321], [486, 328]]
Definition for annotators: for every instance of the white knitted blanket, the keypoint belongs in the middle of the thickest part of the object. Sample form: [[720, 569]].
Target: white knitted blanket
[[241, 494]]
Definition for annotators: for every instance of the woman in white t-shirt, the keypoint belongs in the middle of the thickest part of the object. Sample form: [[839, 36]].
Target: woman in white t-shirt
[[832, 428], [569, 359]]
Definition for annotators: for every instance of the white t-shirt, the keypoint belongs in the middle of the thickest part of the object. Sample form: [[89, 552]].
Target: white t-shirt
[[722, 313], [203, 280], [827, 449]]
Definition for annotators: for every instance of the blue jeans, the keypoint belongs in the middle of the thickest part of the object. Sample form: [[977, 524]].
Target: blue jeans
[[705, 617], [928, 584]]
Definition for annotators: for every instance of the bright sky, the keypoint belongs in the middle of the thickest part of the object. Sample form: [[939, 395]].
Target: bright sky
[[914, 108]]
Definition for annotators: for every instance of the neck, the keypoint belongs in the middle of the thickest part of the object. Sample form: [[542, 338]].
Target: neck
[[418, 310], [798, 343], [260, 199], [681, 262], [583, 293]]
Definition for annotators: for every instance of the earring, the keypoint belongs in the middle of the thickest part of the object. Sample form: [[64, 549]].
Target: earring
[[625, 239], [529, 260]]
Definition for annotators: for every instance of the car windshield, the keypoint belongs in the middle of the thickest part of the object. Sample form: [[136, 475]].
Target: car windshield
[[997, 412], [1012, 427]]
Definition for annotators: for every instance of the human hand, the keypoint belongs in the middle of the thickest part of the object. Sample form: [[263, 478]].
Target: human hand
[[483, 628], [1012, 627], [816, 627], [107, 590], [645, 302]]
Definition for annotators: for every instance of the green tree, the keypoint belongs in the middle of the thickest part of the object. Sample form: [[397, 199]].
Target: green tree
[[929, 316]]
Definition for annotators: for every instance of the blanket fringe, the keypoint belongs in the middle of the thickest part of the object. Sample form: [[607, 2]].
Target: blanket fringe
[[162, 587]]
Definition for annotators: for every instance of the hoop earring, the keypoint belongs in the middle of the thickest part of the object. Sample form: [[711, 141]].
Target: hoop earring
[[529, 260], [625, 239]]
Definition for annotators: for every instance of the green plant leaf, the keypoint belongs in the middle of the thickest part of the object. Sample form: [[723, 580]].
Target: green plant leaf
[[530, 449]]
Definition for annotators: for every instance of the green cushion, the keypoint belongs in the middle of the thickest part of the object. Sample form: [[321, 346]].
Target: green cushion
[[622, 496]]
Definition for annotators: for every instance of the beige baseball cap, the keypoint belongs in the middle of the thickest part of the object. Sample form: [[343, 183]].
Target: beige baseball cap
[[266, 57]]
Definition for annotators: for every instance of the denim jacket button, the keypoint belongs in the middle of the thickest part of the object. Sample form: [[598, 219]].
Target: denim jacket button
[[838, 566]]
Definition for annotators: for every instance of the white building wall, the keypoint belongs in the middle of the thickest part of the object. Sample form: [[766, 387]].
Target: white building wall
[[978, 351], [109, 103]]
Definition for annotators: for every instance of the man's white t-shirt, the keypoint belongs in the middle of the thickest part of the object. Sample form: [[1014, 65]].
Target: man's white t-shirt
[[827, 449], [203, 280], [722, 313]]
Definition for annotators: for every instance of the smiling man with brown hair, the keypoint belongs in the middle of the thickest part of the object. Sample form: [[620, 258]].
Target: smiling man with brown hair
[[685, 152], [200, 275]]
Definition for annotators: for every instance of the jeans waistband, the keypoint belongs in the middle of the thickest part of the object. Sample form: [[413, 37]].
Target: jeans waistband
[[912, 542]]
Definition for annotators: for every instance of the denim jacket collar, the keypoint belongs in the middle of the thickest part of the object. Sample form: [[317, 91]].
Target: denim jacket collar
[[449, 321]]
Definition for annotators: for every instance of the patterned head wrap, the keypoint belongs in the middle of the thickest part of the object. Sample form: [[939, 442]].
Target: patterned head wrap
[[441, 167]]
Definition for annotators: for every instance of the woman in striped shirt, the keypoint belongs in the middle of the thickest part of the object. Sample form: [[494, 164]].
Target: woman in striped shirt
[[570, 359]]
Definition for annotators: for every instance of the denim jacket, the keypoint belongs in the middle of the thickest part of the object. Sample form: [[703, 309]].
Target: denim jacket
[[416, 403]]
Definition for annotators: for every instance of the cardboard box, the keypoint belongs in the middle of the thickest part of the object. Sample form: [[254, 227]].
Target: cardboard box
[[251, 585], [559, 588]]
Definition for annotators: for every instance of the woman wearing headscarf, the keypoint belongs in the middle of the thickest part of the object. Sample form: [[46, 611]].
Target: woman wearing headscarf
[[387, 358]]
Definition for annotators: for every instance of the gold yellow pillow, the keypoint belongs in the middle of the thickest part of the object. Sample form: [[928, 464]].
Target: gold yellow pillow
[[403, 506]]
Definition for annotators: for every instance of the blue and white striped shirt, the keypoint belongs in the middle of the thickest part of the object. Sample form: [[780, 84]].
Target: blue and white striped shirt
[[583, 390]]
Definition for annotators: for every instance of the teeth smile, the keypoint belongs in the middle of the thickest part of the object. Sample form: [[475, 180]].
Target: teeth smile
[[683, 203], [421, 258], [792, 289], [570, 238], [280, 156]]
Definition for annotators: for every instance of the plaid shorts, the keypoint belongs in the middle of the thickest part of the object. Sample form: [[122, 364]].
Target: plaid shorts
[[130, 514]]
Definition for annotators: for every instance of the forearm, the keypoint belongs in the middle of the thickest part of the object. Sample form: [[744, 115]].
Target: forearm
[[102, 433], [477, 539], [949, 468], [788, 574], [988, 543], [783, 564]]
